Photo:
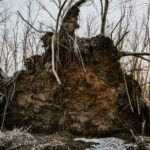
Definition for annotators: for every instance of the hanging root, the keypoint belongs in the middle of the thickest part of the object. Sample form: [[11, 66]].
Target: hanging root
[[70, 21], [53, 60], [60, 45]]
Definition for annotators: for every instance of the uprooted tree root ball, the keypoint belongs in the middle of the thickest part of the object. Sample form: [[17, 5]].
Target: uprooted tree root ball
[[94, 99]]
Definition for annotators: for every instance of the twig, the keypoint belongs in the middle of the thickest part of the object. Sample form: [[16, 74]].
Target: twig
[[121, 39], [46, 10], [4, 115], [138, 140], [145, 84], [140, 55], [1, 96], [124, 53], [59, 13], [18, 147], [117, 25], [29, 23], [8, 98], [125, 82], [143, 58]]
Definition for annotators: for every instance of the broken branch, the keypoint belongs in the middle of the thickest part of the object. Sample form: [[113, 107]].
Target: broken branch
[[140, 55]]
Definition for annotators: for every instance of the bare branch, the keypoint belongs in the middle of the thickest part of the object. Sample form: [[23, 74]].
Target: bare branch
[[58, 17], [29, 23], [140, 55], [121, 39], [117, 25], [122, 54]]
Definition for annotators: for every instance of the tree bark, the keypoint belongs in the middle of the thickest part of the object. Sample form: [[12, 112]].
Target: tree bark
[[104, 16]]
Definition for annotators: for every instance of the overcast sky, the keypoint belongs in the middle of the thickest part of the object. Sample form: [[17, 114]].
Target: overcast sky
[[139, 6], [86, 10]]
